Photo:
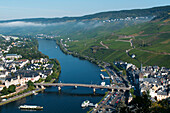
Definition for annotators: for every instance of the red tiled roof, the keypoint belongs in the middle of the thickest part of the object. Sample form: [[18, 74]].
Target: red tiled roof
[[22, 60]]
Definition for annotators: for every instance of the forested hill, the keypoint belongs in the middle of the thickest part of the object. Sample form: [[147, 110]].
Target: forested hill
[[156, 11]]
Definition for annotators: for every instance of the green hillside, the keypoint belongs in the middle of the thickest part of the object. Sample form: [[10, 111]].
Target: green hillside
[[88, 26], [107, 36], [151, 43], [74, 30]]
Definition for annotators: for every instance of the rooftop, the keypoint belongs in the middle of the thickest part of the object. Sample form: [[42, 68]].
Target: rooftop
[[11, 55]]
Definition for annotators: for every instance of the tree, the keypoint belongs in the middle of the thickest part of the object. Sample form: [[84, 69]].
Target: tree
[[161, 106], [115, 67], [11, 88], [57, 62], [5, 91], [17, 67], [30, 83], [142, 103], [12, 74], [48, 79], [8, 58], [122, 108], [132, 92], [0, 82], [124, 72]]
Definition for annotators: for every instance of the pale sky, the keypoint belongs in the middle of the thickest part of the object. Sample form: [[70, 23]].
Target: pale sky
[[17, 9]]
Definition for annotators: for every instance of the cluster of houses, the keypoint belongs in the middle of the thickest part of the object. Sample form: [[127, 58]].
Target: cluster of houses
[[21, 71], [126, 19], [8, 38], [17, 71], [8, 43], [5, 50], [41, 36], [154, 79]]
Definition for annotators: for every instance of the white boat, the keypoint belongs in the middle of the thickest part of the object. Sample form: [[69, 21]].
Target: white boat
[[56, 47], [34, 93], [85, 103], [3, 100], [32, 107]]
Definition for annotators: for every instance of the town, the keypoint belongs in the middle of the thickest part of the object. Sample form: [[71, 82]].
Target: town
[[153, 80], [16, 71]]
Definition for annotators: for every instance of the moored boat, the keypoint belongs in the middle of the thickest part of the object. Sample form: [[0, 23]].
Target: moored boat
[[102, 70], [85, 103], [34, 93], [32, 107]]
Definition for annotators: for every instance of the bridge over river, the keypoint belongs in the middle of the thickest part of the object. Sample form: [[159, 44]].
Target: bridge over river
[[94, 86]]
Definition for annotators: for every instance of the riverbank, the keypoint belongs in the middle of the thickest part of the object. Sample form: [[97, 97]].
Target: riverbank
[[83, 57], [90, 111], [92, 60], [20, 96], [56, 71]]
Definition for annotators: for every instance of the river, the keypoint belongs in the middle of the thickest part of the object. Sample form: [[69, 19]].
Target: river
[[69, 99]]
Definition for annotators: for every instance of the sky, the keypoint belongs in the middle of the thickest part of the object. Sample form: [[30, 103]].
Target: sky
[[18, 9]]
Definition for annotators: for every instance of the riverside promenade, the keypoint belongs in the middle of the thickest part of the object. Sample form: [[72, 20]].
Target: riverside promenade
[[12, 99]]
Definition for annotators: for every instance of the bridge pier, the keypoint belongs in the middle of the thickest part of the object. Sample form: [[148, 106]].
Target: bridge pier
[[42, 87], [94, 90], [37, 87], [59, 88]]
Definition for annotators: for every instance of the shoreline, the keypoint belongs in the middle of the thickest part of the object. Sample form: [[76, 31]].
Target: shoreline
[[100, 64], [64, 50], [82, 57], [20, 96]]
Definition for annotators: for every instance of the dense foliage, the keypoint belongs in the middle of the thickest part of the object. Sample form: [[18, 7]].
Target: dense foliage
[[30, 85], [8, 90], [29, 50], [56, 71], [142, 104]]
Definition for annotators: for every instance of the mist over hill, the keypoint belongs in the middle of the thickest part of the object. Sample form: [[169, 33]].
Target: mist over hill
[[88, 26], [150, 12], [148, 28]]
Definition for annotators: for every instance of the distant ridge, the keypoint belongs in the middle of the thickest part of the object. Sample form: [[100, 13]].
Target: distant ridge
[[155, 11]]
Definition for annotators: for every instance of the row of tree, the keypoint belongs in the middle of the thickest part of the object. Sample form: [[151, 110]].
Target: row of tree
[[8, 90], [56, 70]]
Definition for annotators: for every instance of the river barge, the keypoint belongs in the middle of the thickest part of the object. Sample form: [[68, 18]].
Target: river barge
[[31, 107]]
